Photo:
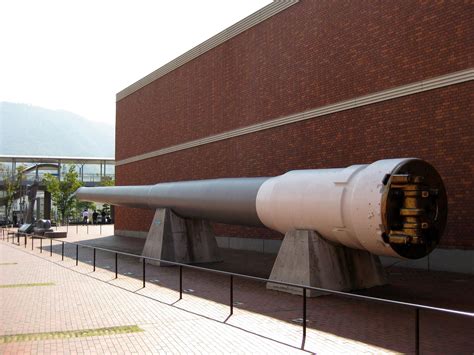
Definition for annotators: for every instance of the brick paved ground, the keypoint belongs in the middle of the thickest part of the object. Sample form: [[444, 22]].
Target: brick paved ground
[[82, 299]]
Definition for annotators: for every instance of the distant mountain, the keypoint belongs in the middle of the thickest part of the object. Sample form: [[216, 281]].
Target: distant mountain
[[32, 130]]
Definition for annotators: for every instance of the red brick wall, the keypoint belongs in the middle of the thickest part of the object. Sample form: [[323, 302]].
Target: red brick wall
[[314, 53]]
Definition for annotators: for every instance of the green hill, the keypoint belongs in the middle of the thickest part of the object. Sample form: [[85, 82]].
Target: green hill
[[32, 130]]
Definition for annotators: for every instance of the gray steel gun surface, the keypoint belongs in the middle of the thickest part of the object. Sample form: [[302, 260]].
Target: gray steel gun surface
[[394, 207]]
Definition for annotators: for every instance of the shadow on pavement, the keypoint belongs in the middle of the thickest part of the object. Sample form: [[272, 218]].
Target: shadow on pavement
[[386, 326]]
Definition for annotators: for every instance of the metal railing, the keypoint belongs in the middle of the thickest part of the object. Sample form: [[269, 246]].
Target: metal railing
[[416, 307]]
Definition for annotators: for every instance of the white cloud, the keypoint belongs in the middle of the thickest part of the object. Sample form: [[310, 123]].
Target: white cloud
[[76, 55]]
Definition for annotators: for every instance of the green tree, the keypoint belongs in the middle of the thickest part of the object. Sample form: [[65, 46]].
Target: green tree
[[62, 192], [11, 186], [81, 206], [107, 181]]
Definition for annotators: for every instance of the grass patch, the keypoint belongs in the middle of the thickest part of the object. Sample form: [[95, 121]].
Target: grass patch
[[70, 334], [27, 285]]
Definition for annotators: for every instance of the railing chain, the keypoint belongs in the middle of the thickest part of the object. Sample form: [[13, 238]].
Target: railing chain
[[143, 274], [231, 294], [180, 282]]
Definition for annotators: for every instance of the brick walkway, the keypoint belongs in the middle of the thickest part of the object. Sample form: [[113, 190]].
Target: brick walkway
[[82, 299]]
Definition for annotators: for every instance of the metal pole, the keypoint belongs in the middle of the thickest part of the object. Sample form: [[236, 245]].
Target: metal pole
[[94, 261], [62, 251], [32, 239], [180, 282], [100, 225], [50, 247], [304, 317], [77, 254], [116, 265], [144, 272], [231, 294], [41, 245], [417, 335], [18, 238], [25, 240]]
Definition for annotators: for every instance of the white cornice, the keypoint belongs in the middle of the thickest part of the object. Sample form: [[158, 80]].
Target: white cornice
[[259, 16]]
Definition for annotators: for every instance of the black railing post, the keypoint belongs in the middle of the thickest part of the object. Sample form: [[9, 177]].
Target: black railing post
[[231, 294], [41, 245], [25, 240], [50, 247], [77, 254], [304, 318], [94, 261], [18, 238], [62, 251], [116, 265], [143, 274], [32, 239], [417, 330], [180, 282]]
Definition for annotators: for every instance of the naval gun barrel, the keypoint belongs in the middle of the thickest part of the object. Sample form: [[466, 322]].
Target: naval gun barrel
[[393, 207]]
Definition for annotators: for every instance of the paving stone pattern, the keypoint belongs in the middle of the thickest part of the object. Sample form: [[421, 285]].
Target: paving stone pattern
[[199, 323]]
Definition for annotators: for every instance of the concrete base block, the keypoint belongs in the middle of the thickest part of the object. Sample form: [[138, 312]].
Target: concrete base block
[[181, 240], [305, 258]]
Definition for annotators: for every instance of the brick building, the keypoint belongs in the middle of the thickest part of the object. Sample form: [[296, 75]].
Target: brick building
[[311, 84]]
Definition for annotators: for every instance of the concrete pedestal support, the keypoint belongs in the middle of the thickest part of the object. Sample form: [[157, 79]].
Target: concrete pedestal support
[[306, 258], [181, 240]]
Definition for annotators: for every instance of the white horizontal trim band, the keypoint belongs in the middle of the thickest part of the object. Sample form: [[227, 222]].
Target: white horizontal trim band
[[254, 19], [414, 88]]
